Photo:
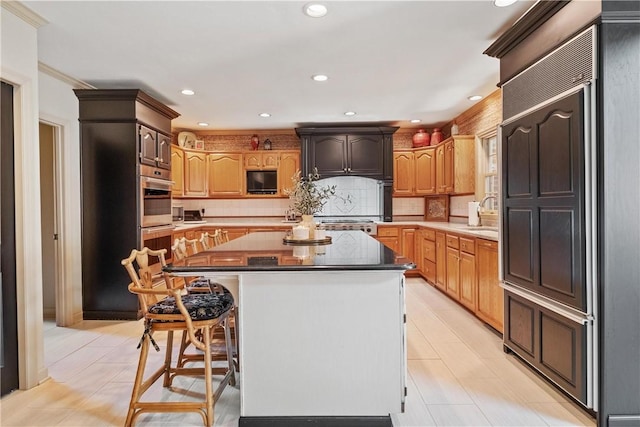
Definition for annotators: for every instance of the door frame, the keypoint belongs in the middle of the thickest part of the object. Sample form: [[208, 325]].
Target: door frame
[[64, 305]]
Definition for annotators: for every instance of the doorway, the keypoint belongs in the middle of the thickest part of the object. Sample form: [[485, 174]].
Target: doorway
[[49, 219], [9, 318]]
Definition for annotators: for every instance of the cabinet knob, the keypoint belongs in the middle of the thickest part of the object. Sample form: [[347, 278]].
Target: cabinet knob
[[157, 159], [344, 169], [348, 169]]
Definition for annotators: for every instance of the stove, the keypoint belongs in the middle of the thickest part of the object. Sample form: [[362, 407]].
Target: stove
[[366, 225]]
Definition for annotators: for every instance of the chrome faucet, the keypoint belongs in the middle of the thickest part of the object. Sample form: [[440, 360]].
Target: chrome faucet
[[481, 206]]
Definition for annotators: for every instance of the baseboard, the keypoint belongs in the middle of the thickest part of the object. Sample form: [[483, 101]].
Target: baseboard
[[315, 421]]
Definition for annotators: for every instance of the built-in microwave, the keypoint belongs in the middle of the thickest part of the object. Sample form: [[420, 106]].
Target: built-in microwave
[[262, 182], [155, 198]]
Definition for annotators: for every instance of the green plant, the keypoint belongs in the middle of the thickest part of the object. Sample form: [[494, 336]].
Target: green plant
[[305, 195]]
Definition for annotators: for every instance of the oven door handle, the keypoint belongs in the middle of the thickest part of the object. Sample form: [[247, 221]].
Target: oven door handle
[[165, 183], [160, 228]]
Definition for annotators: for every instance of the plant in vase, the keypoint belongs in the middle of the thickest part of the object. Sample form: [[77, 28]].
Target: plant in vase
[[307, 198]]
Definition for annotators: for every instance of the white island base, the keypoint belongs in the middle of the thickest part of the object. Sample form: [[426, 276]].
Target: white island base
[[321, 344]]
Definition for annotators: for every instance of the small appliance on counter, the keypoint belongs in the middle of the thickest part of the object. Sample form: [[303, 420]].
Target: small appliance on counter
[[193, 217], [177, 213]]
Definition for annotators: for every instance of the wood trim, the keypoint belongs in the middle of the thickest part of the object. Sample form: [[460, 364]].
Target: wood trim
[[24, 13], [527, 24], [65, 78]]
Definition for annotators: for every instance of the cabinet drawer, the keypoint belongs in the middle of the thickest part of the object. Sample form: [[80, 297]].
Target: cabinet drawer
[[429, 234], [429, 250], [467, 245], [429, 271], [387, 231], [453, 241]]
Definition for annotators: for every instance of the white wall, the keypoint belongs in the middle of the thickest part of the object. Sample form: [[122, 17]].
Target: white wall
[[59, 106], [19, 66]]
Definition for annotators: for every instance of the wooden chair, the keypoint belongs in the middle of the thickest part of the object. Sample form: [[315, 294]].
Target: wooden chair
[[225, 236], [184, 247], [208, 241], [166, 309]]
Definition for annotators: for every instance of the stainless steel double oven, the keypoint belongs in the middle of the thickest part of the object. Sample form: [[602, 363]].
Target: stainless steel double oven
[[156, 225]]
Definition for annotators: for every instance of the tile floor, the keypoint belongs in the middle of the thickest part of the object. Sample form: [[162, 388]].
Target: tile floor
[[458, 375]]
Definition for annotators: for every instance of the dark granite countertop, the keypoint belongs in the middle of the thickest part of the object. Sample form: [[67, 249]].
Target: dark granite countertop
[[266, 251]]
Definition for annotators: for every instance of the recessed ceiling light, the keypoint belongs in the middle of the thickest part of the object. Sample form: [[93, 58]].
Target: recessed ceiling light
[[264, 115], [474, 98], [188, 92], [504, 3], [350, 113], [320, 77], [416, 121], [315, 10], [203, 124]]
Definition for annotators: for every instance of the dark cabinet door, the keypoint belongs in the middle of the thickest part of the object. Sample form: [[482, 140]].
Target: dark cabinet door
[[365, 155], [164, 151], [553, 344], [544, 201], [148, 146], [329, 155]]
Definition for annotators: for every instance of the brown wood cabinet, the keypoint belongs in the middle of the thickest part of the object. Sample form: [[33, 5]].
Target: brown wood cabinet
[[288, 166], [226, 174], [414, 172], [455, 165], [467, 273], [453, 271], [441, 261], [390, 237], [490, 296], [177, 171], [258, 160], [403, 173], [195, 174], [425, 171]]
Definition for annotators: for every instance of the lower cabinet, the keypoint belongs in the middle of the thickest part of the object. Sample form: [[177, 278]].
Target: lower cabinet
[[490, 305], [464, 268], [553, 344], [390, 237], [441, 261]]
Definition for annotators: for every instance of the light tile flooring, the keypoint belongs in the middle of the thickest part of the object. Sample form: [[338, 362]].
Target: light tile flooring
[[458, 376]]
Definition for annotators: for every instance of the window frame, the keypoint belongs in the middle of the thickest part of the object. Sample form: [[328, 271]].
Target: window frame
[[482, 167]]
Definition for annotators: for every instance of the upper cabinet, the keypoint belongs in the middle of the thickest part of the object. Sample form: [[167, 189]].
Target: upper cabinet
[[414, 172], [198, 173], [356, 151], [446, 168], [258, 160], [288, 166], [177, 171], [226, 174]]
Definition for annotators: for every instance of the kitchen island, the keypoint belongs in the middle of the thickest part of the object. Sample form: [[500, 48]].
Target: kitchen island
[[322, 327]]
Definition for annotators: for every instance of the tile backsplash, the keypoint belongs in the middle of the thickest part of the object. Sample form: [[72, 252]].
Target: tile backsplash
[[355, 196]]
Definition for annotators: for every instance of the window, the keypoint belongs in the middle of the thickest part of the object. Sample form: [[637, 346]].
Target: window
[[489, 173]]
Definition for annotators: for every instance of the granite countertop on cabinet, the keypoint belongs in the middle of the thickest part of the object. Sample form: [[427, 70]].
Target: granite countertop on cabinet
[[454, 227]]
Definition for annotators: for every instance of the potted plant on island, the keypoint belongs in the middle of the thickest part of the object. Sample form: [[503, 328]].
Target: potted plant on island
[[307, 198]]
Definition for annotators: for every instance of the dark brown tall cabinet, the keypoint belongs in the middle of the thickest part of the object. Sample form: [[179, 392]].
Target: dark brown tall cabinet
[[122, 132], [365, 151], [570, 157]]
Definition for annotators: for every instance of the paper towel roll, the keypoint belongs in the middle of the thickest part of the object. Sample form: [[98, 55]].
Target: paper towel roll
[[474, 218]]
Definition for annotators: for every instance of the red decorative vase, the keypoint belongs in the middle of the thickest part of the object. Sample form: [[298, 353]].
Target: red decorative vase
[[436, 136], [421, 138], [255, 142]]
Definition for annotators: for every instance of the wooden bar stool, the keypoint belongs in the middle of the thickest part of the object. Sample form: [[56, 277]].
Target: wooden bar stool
[[165, 309]]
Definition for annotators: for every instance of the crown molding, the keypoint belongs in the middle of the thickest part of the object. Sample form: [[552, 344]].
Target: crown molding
[[59, 75], [24, 13]]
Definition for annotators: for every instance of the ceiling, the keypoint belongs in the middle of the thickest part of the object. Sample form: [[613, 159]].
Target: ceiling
[[388, 61]]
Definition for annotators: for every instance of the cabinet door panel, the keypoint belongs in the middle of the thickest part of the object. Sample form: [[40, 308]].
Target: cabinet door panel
[[468, 280], [164, 151], [441, 261], [440, 170], [177, 171], [403, 173], [148, 145], [490, 296], [195, 174], [226, 174], [453, 273], [329, 154], [425, 171], [289, 165], [365, 155]]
